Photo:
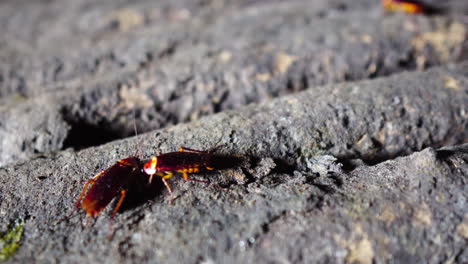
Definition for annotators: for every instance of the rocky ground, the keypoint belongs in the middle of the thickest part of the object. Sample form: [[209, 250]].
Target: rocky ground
[[350, 124]]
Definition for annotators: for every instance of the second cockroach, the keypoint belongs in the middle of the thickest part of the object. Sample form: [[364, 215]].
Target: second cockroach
[[408, 6], [185, 162]]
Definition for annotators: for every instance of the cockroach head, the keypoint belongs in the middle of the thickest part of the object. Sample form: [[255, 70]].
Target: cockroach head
[[150, 167]]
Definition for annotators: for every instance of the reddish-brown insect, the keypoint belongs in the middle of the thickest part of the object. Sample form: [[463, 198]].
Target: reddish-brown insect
[[108, 184], [99, 191], [408, 6], [184, 161]]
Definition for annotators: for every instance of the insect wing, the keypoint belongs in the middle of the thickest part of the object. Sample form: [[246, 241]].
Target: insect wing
[[108, 185]]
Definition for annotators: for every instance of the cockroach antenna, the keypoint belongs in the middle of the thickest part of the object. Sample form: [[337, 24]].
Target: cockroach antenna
[[134, 122], [136, 134]]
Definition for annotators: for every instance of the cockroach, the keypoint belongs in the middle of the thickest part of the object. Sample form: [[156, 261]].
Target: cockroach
[[408, 6], [100, 190], [108, 184], [185, 161]]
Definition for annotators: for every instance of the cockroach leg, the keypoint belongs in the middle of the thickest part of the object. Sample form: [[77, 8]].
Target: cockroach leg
[[168, 189], [167, 175], [187, 178], [83, 192], [183, 149], [123, 193], [160, 174], [88, 184]]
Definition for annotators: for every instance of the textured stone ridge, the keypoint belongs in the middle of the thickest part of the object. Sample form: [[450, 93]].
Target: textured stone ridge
[[351, 124], [99, 64], [290, 210]]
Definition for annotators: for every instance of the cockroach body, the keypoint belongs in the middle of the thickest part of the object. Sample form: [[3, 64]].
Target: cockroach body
[[100, 190], [108, 184], [408, 6], [184, 161]]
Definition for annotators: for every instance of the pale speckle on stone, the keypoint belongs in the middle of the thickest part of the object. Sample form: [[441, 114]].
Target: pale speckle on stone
[[462, 229], [132, 97], [360, 252], [387, 214], [283, 61], [451, 83], [225, 56], [423, 215], [128, 18], [263, 77]]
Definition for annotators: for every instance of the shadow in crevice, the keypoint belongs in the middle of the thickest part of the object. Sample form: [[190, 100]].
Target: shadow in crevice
[[283, 166], [83, 135], [223, 161], [351, 162]]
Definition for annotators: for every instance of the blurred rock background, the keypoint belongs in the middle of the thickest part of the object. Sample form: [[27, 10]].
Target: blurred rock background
[[353, 119]]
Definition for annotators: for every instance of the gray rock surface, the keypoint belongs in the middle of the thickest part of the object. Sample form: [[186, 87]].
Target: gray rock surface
[[391, 210], [354, 151], [98, 63]]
